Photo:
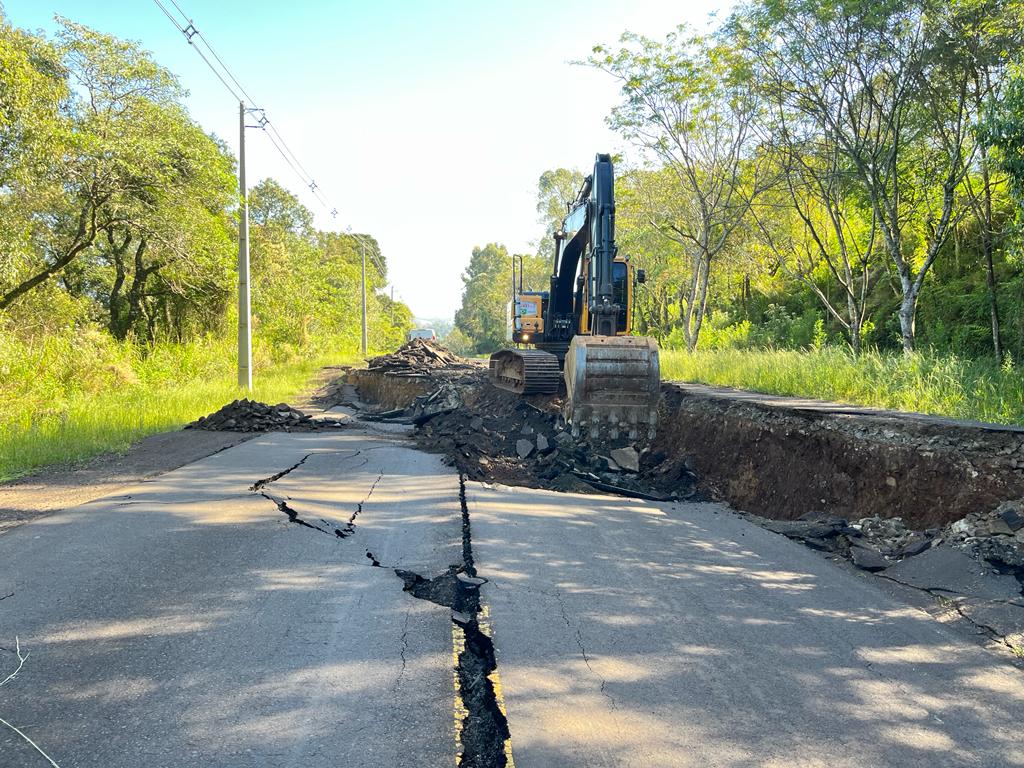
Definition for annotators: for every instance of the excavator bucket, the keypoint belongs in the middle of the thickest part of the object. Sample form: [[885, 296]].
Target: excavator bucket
[[613, 386], [524, 371]]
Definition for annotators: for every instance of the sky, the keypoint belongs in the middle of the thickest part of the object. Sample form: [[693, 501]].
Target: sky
[[425, 124]]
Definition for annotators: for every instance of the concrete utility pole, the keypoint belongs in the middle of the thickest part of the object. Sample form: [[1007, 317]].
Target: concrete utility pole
[[362, 250], [244, 323]]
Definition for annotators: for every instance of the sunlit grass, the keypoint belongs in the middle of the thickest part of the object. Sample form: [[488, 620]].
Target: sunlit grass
[[946, 386], [41, 426]]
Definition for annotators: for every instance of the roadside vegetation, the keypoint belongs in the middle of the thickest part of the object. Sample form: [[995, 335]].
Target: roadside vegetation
[[118, 233], [825, 197], [944, 386]]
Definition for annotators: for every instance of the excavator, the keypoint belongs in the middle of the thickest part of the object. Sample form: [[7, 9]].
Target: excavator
[[580, 329]]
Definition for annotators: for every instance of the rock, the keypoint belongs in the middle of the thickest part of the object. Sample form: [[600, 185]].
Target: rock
[[564, 439], [524, 448], [526, 430], [961, 527], [542, 444], [915, 545], [1002, 551], [997, 526], [1012, 514], [868, 558], [627, 458], [470, 581], [476, 424]]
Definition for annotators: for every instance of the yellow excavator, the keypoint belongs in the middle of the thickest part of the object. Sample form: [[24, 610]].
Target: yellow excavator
[[580, 329]]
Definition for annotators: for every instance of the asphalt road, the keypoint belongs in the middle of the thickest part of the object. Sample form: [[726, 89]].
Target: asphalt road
[[188, 622]]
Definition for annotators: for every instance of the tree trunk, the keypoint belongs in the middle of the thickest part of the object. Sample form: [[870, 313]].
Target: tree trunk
[[907, 315], [84, 237], [990, 270], [702, 301]]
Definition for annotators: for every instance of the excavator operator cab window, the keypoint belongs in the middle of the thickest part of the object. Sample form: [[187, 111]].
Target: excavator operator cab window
[[620, 277]]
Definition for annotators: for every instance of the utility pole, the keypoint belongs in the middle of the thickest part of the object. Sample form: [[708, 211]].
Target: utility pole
[[362, 250], [244, 324]]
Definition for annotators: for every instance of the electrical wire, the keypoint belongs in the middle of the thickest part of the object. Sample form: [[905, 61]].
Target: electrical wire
[[191, 31]]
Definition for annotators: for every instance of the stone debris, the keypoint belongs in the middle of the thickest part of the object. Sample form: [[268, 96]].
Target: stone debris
[[497, 436], [418, 356], [627, 458], [253, 416], [996, 536]]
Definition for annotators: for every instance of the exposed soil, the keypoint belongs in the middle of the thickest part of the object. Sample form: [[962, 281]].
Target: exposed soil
[[783, 458]]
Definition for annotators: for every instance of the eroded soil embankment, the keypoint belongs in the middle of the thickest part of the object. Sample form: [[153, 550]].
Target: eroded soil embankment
[[782, 457]]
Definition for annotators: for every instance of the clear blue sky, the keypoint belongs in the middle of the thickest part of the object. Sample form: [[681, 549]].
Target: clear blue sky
[[426, 124]]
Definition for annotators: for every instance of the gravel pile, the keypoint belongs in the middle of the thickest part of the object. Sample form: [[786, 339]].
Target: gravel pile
[[416, 357], [253, 416]]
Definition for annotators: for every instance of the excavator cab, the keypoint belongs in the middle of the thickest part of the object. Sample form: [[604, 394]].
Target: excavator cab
[[580, 329]]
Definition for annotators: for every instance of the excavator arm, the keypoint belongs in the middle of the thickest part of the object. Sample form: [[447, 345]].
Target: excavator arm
[[612, 380]]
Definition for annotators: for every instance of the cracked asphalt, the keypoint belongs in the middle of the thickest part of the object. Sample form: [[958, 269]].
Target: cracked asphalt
[[244, 610]]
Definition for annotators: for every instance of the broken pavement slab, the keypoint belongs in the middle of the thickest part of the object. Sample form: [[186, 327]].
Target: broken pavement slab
[[945, 569], [1003, 620]]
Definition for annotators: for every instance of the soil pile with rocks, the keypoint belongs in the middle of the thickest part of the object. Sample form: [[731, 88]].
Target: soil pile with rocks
[[497, 436], [417, 356], [253, 416]]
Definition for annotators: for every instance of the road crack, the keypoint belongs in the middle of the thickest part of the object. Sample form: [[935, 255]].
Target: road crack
[[484, 739], [259, 484], [948, 599]]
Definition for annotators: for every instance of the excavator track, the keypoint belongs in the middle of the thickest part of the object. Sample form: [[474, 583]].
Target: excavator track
[[525, 371]]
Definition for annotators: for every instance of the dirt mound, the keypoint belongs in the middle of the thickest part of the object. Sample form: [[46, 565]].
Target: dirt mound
[[416, 356], [253, 416], [497, 436]]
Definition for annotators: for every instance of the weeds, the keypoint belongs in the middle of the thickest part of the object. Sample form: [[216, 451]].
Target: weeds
[[64, 402], [946, 386]]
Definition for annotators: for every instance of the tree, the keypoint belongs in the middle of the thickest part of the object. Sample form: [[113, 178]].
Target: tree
[[871, 78], [485, 294], [689, 103]]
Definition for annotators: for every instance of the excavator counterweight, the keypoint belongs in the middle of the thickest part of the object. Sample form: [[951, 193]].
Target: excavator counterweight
[[582, 325]]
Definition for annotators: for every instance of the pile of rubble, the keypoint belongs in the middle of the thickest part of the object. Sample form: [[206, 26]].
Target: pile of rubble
[[497, 436], [418, 356], [996, 536], [253, 416], [875, 543]]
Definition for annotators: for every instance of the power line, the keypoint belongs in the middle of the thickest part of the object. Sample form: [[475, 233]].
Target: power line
[[195, 30], [190, 31], [188, 36]]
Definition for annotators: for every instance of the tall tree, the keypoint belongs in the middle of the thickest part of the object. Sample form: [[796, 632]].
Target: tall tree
[[689, 103], [868, 76]]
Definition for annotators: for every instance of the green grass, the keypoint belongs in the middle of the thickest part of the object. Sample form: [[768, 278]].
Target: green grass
[[65, 404], [945, 386]]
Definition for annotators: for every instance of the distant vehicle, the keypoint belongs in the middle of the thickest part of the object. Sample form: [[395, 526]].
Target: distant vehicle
[[423, 333]]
